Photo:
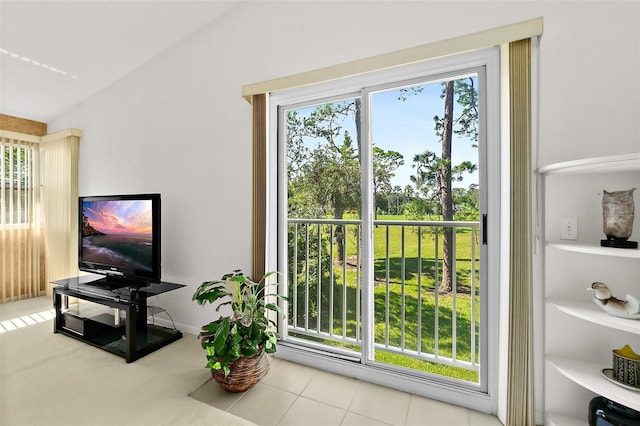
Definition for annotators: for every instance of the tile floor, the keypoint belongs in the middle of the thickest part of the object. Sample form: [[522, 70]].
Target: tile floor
[[292, 394]]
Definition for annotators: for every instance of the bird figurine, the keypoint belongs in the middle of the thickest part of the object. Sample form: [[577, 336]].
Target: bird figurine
[[627, 308]]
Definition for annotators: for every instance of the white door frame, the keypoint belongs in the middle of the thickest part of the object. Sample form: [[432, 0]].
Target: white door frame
[[484, 399]]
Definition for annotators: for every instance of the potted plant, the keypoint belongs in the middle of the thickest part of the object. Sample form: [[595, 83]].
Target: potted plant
[[237, 344]]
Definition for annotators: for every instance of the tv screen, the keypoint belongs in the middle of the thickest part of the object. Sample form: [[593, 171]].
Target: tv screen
[[119, 236]]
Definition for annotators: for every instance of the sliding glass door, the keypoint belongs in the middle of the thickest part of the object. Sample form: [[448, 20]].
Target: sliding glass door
[[382, 206]]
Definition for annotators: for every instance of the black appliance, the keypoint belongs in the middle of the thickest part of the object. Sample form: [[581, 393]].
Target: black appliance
[[603, 412]]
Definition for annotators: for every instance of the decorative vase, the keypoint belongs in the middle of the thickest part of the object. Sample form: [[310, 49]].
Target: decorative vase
[[617, 218], [626, 366], [244, 373]]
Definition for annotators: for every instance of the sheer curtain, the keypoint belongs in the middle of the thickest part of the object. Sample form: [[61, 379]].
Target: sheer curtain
[[21, 266], [37, 248], [60, 195]]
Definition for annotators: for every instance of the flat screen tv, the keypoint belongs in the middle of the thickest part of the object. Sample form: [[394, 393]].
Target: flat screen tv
[[119, 237]]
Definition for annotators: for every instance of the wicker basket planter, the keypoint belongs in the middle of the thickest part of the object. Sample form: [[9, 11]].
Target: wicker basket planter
[[247, 329], [244, 374]]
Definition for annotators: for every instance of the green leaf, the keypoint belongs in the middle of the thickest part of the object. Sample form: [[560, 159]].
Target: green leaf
[[221, 334], [274, 307], [222, 304], [238, 279], [234, 351], [211, 328], [250, 351], [210, 351]]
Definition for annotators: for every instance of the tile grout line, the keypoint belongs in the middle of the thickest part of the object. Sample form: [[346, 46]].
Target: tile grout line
[[287, 410], [298, 396], [237, 400], [353, 397], [406, 414], [348, 409], [344, 416]]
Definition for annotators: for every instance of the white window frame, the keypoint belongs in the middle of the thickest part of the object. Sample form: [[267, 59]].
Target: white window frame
[[30, 220], [484, 398]]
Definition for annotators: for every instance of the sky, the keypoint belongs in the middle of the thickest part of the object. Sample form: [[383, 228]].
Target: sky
[[122, 217], [408, 127]]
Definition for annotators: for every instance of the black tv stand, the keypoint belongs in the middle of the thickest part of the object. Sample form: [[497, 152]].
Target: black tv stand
[[112, 282], [131, 338]]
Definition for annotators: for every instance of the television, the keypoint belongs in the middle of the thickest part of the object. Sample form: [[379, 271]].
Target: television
[[119, 237]]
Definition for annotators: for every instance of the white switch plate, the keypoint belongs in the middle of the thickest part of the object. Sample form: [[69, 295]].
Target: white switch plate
[[569, 228]]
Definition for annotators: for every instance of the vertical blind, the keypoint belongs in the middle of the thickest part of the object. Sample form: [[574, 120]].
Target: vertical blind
[[259, 234], [520, 407], [21, 269]]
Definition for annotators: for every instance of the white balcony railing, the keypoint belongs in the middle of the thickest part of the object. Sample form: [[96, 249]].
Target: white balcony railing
[[412, 318]]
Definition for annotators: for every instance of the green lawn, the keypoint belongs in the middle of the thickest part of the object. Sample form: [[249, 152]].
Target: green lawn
[[418, 263]]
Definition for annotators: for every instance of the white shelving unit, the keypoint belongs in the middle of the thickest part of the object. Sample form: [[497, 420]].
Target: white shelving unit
[[613, 163], [600, 251], [582, 373], [588, 311], [579, 336]]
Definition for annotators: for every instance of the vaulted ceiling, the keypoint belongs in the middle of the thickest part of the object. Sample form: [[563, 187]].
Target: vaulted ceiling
[[55, 54]]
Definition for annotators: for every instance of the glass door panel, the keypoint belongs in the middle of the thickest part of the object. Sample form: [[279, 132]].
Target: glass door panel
[[422, 139], [426, 229], [323, 224]]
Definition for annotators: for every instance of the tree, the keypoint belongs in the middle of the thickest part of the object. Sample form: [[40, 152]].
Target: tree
[[396, 193], [432, 182], [385, 163], [466, 203], [434, 174], [467, 124], [445, 128], [325, 179], [429, 177], [327, 174]]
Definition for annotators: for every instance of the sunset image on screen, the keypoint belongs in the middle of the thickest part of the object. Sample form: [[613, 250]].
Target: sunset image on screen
[[123, 217], [118, 233]]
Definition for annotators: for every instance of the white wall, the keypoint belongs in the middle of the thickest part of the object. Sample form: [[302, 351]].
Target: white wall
[[179, 126]]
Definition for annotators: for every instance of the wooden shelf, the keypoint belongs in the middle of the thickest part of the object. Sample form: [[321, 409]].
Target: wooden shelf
[[597, 250], [589, 376], [588, 311], [608, 164]]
